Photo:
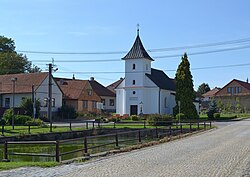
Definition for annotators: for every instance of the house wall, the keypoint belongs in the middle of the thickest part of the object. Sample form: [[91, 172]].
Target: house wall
[[137, 74], [167, 101], [230, 98], [107, 105], [42, 93], [18, 99]]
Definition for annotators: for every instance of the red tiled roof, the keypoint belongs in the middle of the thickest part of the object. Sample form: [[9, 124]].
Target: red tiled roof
[[71, 88], [23, 83], [112, 86], [100, 90], [211, 93], [244, 84]]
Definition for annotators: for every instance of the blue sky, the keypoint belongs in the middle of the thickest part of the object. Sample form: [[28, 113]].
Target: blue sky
[[110, 25]]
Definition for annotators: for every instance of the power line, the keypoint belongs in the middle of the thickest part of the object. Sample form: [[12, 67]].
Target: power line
[[122, 72], [238, 41], [157, 57]]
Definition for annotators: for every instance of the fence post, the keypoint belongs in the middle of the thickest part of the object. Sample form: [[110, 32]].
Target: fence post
[[85, 145], [87, 125], [139, 135], [116, 140], [93, 124], [29, 129], [198, 125], [190, 126], [204, 125], [114, 124], [210, 124], [57, 152], [6, 151], [2, 129], [144, 123], [156, 132], [98, 124], [181, 128], [170, 130], [70, 127]]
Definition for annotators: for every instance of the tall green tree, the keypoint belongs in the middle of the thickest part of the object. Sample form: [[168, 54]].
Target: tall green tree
[[203, 88], [184, 89], [12, 62]]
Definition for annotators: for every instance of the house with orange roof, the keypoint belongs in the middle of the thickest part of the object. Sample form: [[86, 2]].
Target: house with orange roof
[[235, 93], [210, 94], [86, 96], [20, 85]]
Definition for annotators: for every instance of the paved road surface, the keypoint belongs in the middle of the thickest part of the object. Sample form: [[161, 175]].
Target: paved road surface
[[221, 152]]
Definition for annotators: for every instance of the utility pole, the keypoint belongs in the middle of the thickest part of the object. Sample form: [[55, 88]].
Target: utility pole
[[34, 101], [50, 96]]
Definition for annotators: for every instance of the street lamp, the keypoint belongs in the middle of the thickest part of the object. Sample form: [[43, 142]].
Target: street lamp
[[179, 106], [141, 104], [13, 79]]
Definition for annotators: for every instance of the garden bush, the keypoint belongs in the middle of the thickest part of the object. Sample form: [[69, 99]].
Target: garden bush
[[182, 116], [157, 119], [216, 115], [18, 119], [37, 122], [135, 118]]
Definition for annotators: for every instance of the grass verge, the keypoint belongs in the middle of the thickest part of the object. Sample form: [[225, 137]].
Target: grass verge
[[13, 165]]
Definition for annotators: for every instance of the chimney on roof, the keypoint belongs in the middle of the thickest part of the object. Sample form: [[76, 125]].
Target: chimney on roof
[[73, 78], [121, 78], [247, 80], [92, 78]]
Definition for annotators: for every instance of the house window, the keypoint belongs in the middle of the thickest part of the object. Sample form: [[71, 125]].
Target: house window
[[89, 92], [94, 104], [7, 102], [133, 82], [53, 102], [228, 89], [85, 103], [133, 66], [134, 92], [111, 102], [232, 90], [103, 102], [239, 89]]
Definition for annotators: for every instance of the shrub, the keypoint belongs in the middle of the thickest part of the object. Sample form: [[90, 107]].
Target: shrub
[[67, 112], [212, 109], [182, 116], [157, 119], [115, 119], [37, 122], [216, 115], [135, 118], [7, 116], [21, 119]]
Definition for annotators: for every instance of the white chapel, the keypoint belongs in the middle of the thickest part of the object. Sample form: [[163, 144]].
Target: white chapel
[[144, 90]]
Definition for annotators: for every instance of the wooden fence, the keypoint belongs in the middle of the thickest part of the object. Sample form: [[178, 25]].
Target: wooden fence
[[137, 135]]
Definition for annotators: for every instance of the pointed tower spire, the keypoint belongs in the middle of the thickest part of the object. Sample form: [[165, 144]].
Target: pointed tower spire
[[137, 51]]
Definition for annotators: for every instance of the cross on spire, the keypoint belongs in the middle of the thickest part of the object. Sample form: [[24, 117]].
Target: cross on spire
[[138, 29]]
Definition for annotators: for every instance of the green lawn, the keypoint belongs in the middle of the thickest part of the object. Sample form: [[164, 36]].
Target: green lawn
[[12, 165], [22, 130]]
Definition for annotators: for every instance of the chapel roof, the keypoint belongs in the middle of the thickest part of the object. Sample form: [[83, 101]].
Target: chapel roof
[[137, 51]]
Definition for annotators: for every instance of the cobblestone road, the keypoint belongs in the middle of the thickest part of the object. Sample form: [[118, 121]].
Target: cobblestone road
[[221, 152]]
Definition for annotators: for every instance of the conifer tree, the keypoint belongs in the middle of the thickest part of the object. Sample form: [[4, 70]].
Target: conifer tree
[[184, 90]]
